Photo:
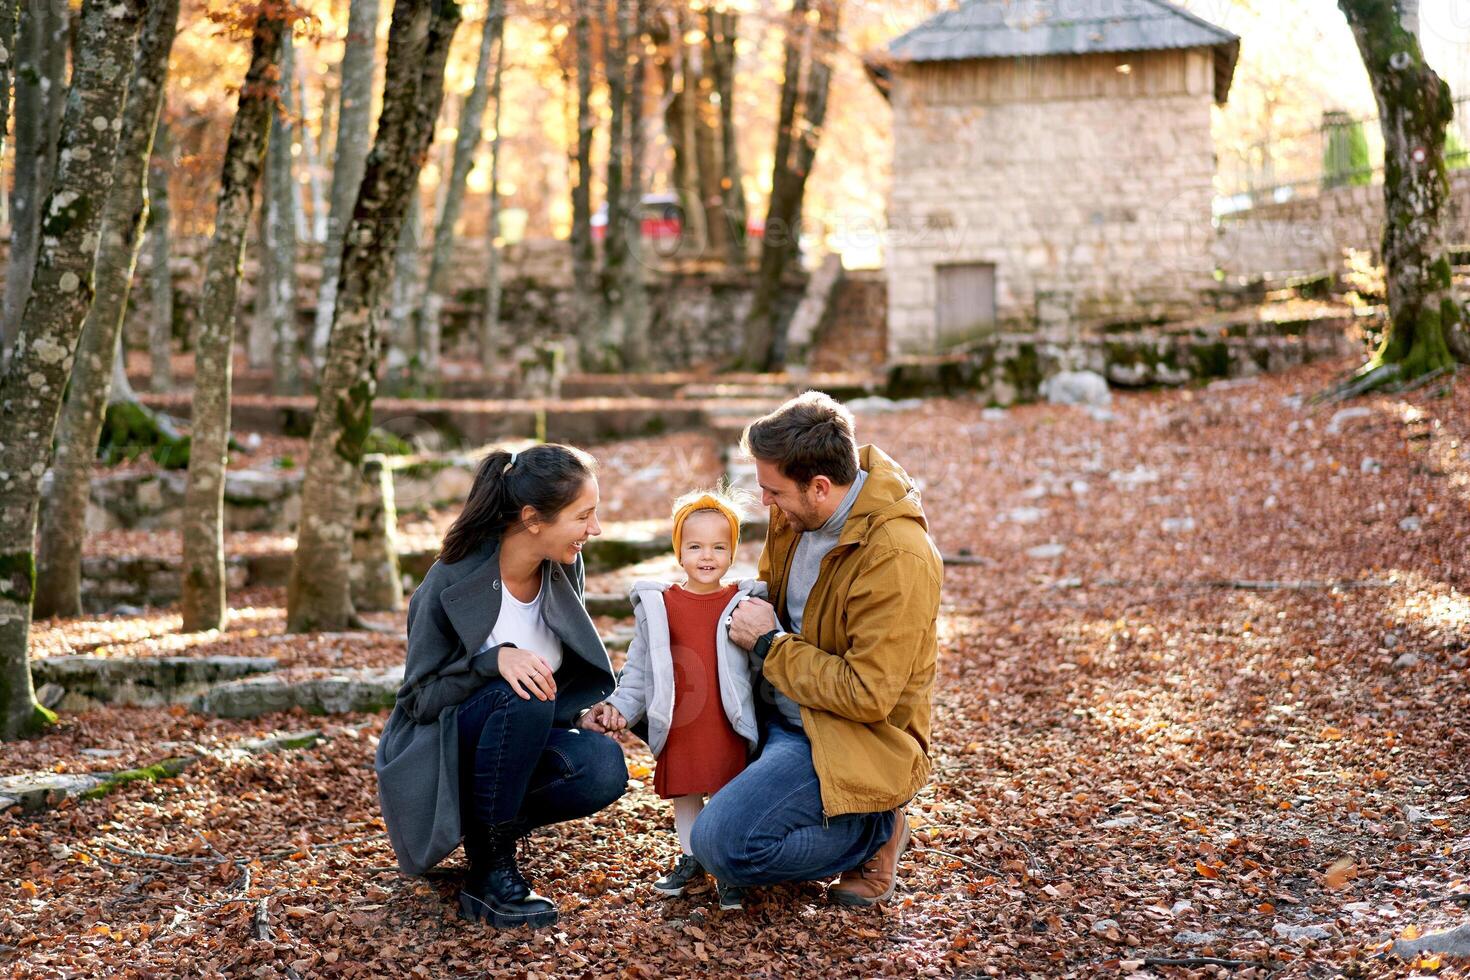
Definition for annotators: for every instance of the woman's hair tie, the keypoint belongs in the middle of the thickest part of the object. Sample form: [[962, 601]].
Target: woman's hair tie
[[512, 462]]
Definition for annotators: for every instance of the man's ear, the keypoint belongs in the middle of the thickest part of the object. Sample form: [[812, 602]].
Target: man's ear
[[822, 485]]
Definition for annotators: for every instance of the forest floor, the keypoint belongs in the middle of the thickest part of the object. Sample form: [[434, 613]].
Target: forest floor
[[1203, 694]]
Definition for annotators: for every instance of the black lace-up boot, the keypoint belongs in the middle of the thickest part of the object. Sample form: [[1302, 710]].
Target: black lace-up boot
[[495, 891]]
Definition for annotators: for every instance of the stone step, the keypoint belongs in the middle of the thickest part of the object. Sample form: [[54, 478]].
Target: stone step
[[77, 682], [460, 423], [141, 578], [315, 692]]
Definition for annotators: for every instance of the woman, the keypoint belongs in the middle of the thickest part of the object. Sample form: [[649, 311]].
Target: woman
[[503, 662]]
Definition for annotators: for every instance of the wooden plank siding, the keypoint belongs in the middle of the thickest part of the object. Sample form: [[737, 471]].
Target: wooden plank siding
[[1057, 77]]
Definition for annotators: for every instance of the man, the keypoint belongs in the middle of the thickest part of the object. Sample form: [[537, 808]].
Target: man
[[849, 660]]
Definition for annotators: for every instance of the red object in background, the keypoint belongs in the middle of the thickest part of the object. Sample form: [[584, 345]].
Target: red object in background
[[663, 222]]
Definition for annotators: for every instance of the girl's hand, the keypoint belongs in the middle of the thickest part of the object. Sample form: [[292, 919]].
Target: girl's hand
[[612, 719], [526, 673], [591, 719]]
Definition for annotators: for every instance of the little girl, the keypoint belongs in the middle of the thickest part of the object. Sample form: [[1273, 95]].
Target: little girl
[[688, 679]]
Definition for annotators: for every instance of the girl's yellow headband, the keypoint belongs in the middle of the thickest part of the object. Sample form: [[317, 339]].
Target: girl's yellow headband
[[705, 502]]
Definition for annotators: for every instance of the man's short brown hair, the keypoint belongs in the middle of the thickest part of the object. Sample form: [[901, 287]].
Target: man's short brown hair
[[809, 436]]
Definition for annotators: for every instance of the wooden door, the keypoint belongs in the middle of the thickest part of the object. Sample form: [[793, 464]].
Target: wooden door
[[964, 302]]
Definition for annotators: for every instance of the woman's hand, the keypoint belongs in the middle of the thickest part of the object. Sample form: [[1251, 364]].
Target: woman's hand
[[602, 717], [526, 673]]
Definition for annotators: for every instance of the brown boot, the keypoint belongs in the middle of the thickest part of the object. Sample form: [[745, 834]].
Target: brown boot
[[874, 881]]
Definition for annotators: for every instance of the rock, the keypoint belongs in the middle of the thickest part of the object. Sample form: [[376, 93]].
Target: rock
[[1187, 938], [1405, 661], [123, 609], [89, 680], [1104, 927], [1077, 388], [39, 790], [1298, 933], [1345, 415], [1024, 515], [281, 743], [1410, 524], [877, 404], [1177, 525], [1045, 551], [1117, 822], [1136, 477], [1099, 414], [371, 689], [50, 695], [1415, 815], [103, 753], [993, 414], [1370, 465], [1455, 942]]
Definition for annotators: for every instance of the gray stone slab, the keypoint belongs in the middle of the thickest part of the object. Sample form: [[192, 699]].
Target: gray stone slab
[[369, 689], [90, 680]]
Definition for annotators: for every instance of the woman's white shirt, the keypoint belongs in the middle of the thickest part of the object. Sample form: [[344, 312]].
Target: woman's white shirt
[[522, 624]]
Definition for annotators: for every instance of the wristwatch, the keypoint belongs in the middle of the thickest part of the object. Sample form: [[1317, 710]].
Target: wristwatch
[[764, 641]]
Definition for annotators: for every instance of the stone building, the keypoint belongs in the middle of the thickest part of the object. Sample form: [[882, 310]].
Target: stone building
[[1053, 166]]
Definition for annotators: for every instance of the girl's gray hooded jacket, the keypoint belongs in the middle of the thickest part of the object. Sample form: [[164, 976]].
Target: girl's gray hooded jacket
[[646, 685], [449, 617]]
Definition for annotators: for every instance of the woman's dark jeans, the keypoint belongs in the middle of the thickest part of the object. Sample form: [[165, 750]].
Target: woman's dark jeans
[[518, 772]]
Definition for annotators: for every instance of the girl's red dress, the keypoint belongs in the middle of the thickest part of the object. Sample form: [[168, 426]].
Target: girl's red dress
[[702, 752]]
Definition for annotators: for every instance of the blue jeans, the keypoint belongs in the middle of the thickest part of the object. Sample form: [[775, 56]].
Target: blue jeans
[[519, 772], [765, 826]]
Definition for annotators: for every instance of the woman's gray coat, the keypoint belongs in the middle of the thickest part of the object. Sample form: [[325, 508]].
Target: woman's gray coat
[[646, 685], [449, 618]]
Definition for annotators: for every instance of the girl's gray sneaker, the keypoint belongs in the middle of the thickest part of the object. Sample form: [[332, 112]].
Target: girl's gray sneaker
[[687, 871], [731, 897]]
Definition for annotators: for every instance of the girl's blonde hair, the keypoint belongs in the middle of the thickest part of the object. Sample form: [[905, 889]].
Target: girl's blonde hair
[[725, 500]]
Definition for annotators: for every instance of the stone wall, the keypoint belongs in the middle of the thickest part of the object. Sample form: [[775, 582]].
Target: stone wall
[[1088, 186], [698, 311], [1309, 235]]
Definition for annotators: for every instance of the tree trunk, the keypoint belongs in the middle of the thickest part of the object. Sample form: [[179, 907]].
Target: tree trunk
[[406, 342], [203, 594], [796, 151], [61, 291], [317, 230], [354, 134], [466, 144], [634, 291], [1414, 107], [614, 243], [681, 115], [584, 270], [160, 279], [39, 82], [99, 354], [490, 321], [276, 294], [319, 594], [724, 26]]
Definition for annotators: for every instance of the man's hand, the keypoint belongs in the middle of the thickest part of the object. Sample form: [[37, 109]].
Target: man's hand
[[752, 619]]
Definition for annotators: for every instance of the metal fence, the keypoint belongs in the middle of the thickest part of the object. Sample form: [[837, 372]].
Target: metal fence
[[1344, 150]]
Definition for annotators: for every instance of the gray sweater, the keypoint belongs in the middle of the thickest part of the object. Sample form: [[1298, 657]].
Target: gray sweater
[[806, 565]]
